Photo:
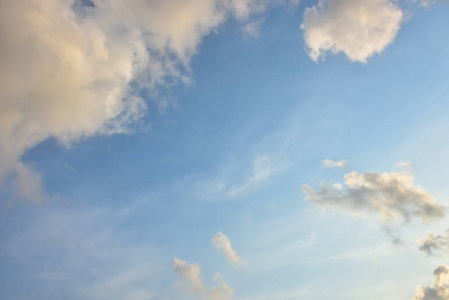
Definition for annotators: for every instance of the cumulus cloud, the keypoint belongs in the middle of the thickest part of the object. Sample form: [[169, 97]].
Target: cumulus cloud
[[358, 28], [440, 290], [435, 244], [192, 272], [392, 196], [221, 241], [72, 69], [327, 163]]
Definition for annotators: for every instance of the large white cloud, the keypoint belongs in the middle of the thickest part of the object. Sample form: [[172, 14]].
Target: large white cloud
[[392, 196], [192, 272], [221, 241], [435, 244], [74, 68], [358, 28], [440, 290]]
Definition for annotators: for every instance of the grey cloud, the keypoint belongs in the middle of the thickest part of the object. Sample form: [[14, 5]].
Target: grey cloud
[[435, 244], [440, 290], [392, 196]]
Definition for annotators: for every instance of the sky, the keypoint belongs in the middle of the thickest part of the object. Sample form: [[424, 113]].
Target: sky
[[224, 149]]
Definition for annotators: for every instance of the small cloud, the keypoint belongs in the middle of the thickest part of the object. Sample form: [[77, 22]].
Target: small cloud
[[435, 244], [221, 241], [440, 290], [327, 163], [392, 196], [359, 29], [403, 165], [192, 272]]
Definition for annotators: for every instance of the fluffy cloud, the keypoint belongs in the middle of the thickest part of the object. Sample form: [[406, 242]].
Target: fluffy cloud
[[434, 244], [393, 196], [440, 291], [192, 272], [327, 163], [71, 69], [358, 28], [221, 241]]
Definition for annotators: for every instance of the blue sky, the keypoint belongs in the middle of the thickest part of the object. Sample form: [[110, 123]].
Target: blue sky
[[212, 149]]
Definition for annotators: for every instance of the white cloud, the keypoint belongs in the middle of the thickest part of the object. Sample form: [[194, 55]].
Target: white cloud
[[221, 241], [192, 272], [392, 196], [435, 244], [440, 290], [358, 28], [327, 163], [70, 70]]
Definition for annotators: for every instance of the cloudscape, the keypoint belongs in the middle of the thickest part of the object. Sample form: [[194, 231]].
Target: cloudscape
[[224, 149]]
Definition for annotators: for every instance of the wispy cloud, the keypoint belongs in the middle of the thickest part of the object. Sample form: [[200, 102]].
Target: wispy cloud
[[221, 241], [358, 28], [392, 196], [435, 244], [432, 2], [236, 180], [440, 290]]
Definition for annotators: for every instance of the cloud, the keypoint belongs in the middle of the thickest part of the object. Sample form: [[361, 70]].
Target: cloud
[[440, 290], [432, 2], [327, 163], [392, 196], [435, 244], [263, 168], [192, 272], [221, 241], [75, 69], [241, 177], [358, 28]]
